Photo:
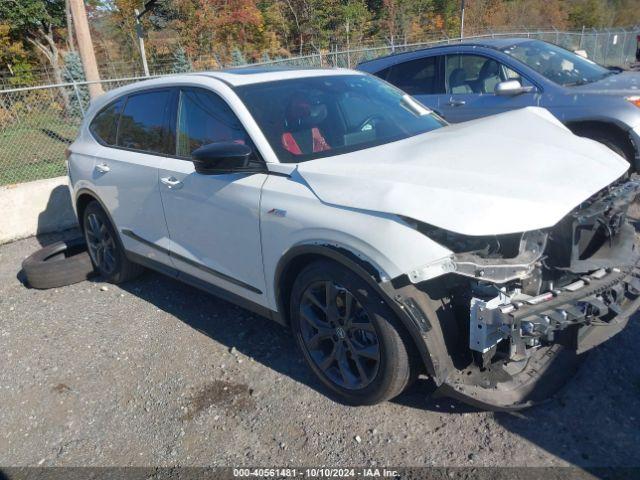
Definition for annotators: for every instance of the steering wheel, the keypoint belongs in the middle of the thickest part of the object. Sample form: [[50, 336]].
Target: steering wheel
[[369, 122]]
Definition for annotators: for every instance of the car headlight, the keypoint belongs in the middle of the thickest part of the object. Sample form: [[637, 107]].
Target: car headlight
[[634, 99]]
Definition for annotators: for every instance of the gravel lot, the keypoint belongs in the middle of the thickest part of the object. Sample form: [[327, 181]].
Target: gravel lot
[[156, 373]]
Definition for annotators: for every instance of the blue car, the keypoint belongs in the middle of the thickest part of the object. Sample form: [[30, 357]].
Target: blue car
[[473, 79]]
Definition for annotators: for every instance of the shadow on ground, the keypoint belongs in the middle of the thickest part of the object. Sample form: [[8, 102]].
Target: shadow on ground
[[594, 421], [57, 215]]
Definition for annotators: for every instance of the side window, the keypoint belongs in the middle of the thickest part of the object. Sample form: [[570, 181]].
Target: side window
[[144, 123], [416, 77], [104, 125], [462, 73], [513, 75], [383, 74], [205, 118], [465, 74]]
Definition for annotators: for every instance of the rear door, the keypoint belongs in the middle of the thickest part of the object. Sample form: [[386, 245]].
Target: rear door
[[470, 81], [213, 219], [135, 134]]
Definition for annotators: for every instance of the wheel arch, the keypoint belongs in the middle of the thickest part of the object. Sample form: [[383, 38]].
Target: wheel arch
[[618, 130], [297, 258], [84, 197]]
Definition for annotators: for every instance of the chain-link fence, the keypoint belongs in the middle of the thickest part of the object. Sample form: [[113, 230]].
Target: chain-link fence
[[37, 124], [610, 47]]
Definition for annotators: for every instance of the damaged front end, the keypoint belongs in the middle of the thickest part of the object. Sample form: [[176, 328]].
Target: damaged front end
[[520, 302]]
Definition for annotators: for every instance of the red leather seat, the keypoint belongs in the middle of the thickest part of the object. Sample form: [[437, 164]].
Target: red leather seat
[[302, 133]]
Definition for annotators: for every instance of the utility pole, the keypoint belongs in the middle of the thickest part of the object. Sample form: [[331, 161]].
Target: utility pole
[[462, 19], [348, 47], [85, 46], [148, 6], [70, 36], [140, 33]]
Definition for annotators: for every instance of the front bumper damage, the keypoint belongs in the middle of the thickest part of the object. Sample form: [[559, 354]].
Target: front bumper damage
[[528, 317], [572, 320], [584, 304], [569, 321]]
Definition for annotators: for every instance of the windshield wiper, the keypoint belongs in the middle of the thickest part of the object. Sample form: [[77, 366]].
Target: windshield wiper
[[577, 83], [584, 81]]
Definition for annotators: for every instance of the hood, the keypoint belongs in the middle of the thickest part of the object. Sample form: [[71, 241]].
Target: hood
[[517, 171], [624, 83]]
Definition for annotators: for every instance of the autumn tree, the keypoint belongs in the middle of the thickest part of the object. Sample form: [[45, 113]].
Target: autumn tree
[[587, 13], [39, 23], [122, 19], [14, 57], [355, 17], [404, 19]]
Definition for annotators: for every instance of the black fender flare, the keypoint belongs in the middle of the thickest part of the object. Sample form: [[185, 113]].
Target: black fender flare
[[408, 311]]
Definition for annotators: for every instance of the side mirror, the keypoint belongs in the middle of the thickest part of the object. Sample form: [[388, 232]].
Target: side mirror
[[510, 88], [223, 157]]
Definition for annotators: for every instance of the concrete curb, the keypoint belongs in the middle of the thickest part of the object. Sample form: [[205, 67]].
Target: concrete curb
[[34, 208]]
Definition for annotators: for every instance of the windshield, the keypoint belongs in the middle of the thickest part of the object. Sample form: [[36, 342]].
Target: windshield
[[557, 64], [316, 117]]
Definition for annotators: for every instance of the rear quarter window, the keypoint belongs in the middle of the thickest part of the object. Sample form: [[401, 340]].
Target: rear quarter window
[[104, 125]]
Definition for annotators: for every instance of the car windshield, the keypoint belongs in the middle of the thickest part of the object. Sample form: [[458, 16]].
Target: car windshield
[[557, 64], [307, 118]]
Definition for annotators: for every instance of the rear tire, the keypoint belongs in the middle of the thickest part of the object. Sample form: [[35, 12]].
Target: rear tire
[[104, 246], [348, 335]]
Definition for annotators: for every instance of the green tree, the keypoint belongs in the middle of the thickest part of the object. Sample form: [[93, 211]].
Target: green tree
[[74, 72], [181, 63], [41, 24], [355, 18], [237, 58], [449, 12], [14, 58], [587, 13]]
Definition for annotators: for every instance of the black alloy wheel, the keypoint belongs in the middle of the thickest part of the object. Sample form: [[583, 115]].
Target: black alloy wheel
[[105, 249], [338, 335], [101, 244], [349, 336]]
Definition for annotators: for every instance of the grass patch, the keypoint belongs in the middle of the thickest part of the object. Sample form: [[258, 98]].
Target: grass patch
[[33, 147]]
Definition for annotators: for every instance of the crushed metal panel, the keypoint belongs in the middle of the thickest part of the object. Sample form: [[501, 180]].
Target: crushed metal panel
[[486, 328]]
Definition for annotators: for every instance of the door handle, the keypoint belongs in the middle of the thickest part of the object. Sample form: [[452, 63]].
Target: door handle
[[456, 103], [171, 182], [103, 168]]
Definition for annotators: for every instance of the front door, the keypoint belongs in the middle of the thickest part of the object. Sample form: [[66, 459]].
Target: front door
[[470, 82], [213, 220]]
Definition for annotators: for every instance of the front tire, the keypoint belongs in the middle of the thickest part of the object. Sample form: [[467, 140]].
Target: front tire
[[616, 141], [349, 337], [106, 251]]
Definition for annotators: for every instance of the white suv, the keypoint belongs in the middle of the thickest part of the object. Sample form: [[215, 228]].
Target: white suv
[[486, 255]]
